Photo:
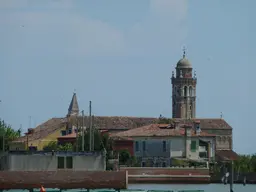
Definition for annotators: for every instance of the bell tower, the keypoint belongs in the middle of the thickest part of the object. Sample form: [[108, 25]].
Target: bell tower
[[184, 90]]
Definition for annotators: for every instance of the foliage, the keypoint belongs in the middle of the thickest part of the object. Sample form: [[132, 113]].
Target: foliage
[[245, 163], [53, 146], [8, 134], [66, 147], [124, 156], [163, 120], [179, 163], [101, 141]]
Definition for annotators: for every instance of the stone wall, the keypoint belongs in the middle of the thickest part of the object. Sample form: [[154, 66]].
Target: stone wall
[[48, 162]]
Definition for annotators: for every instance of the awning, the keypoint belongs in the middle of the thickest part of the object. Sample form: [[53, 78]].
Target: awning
[[226, 155]]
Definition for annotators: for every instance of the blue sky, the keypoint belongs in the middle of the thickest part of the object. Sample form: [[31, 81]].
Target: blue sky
[[120, 55]]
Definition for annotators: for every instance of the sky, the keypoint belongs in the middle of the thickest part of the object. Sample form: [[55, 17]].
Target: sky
[[120, 55]]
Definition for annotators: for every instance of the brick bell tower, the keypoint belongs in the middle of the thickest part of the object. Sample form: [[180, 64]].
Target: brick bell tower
[[184, 90]]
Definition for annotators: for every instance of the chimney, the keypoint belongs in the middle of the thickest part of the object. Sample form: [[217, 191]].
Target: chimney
[[197, 127], [188, 130], [30, 131]]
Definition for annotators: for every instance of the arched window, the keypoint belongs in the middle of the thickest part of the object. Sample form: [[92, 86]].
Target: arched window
[[190, 91], [185, 91]]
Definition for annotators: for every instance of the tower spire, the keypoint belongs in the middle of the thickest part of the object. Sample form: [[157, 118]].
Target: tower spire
[[73, 109]]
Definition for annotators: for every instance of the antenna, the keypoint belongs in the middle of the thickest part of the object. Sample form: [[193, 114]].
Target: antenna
[[29, 121], [83, 131], [90, 126]]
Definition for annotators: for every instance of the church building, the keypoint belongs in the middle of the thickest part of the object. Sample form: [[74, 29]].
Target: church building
[[184, 82]]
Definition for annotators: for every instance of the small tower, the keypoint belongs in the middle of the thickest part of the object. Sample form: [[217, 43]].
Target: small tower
[[73, 109], [184, 90]]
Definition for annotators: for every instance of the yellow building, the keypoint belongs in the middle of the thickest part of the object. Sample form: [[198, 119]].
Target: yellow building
[[41, 135], [47, 132]]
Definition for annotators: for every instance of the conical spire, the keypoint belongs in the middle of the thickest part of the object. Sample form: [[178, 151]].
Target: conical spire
[[73, 109]]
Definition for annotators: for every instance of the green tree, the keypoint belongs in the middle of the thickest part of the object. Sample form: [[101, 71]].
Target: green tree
[[65, 147], [163, 120], [124, 157], [53, 146], [245, 163], [101, 141], [7, 134]]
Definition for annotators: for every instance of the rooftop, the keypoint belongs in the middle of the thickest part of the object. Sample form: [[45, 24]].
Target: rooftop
[[157, 130], [118, 123]]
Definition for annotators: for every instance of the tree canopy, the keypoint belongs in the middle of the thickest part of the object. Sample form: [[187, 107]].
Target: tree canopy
[[245, 164], [7, 134], [53, 146]]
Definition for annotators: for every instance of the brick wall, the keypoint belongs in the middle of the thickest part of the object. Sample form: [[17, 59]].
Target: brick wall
[[63, 179]]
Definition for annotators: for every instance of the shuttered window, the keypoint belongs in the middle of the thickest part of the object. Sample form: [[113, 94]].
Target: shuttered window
[[193, 146]]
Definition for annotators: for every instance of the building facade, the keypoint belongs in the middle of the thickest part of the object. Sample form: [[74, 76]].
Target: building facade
[[184, 82], [43, 161], [156, 145]]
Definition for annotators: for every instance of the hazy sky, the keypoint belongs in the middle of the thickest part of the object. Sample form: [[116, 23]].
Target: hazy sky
[[120, 55]]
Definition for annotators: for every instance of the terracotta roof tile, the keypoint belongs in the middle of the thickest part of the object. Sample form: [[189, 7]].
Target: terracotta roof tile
[[156, 130], [228, 155], [123, 122], [44, 129], [117, 123]]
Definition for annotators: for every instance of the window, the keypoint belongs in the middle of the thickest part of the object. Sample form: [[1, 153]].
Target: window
[[193, 146], [60, 162], [164, 164], [137, 146], [63, 133], [143, 164], [69, 131], [164, 146], [69, 162], [144, 145]]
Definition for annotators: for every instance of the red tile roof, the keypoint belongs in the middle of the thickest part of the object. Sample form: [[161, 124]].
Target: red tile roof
[[227, 155], [117, 123], [156, 130], [123, 122], [44, 129]]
